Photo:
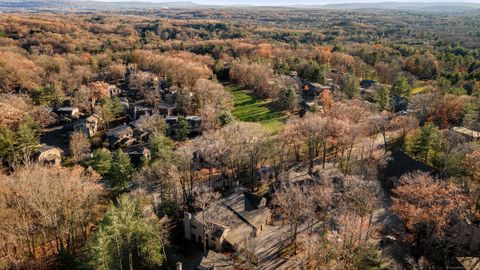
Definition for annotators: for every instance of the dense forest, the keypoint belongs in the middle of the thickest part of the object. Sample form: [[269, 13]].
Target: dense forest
[[353, 137]]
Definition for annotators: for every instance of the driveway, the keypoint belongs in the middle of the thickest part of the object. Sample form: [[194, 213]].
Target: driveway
[[268, 244]]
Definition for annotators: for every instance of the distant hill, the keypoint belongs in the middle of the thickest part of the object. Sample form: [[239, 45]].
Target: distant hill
[[442, 7], [35, 5], [89, 5]]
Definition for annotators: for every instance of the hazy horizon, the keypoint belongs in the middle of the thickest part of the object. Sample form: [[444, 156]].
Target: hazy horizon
[[291, 2]]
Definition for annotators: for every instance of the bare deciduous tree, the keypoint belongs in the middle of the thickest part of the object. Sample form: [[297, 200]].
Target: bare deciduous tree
[[205, 197], [291, 203], [46, 209], [79, 146]]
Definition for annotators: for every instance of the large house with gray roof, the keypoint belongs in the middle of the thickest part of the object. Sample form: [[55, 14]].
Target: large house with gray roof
[[229, 223]]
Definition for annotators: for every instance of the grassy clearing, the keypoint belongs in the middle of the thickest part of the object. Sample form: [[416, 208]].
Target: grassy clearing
[[249, 108], [418, 90], [421, 86]]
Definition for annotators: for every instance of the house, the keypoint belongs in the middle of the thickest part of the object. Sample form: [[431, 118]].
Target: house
[[140, 135], [470, 134], [230, 222], [367, 83], [49, 155], [164, 84], [138, 132], [312, 89], [67, 114], [138, 153], [216, 261], [195, 123], [121, 135], [139, 110], [89, 126], [467, 263], [172, 122], [167, 110], [113, 90], [125, 103], [399, 104], [467, 236]]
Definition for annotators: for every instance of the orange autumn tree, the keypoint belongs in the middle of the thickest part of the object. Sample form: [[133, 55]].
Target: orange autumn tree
[[424, 202], [450, 110], [326, 100], [324, 54], [264, 50]]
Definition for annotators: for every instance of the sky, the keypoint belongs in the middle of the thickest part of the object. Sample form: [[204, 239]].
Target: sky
[[289, 2]]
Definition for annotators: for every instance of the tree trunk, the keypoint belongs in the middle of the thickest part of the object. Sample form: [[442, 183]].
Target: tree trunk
[[324, 154], [335, 156], [345, 232], [297, 154], [119, 253], [361, 230], [130, 255], [204, 233], [310, 158], [368, 226], [348, 157], [295, 228], [352, 232], [385, 141]]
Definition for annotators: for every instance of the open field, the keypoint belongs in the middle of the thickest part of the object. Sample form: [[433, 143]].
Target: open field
[[250, 108]]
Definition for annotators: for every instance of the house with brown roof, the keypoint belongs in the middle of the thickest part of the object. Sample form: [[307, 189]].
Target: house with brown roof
[[121, 135], [89, 126], [49, 154], [229, 223], [470, 134], [113, 90], [138, 153], [67, 114]]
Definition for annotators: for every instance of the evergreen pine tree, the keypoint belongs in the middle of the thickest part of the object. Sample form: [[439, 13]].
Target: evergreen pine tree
[[226, 118], [161, 146], [121, 170], [27, 140], [288, 99], [351, 86], [7, 145], [425, 144], [101, 161], [183, 129], [105, 111], [116, 107], [400, 87], [382, 98], [127, 238]]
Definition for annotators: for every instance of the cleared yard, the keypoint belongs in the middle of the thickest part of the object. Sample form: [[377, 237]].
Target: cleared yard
[[250, 108]]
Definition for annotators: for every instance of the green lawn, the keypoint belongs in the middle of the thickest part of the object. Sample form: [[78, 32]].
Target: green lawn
[[249, 108], [418, 90]]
